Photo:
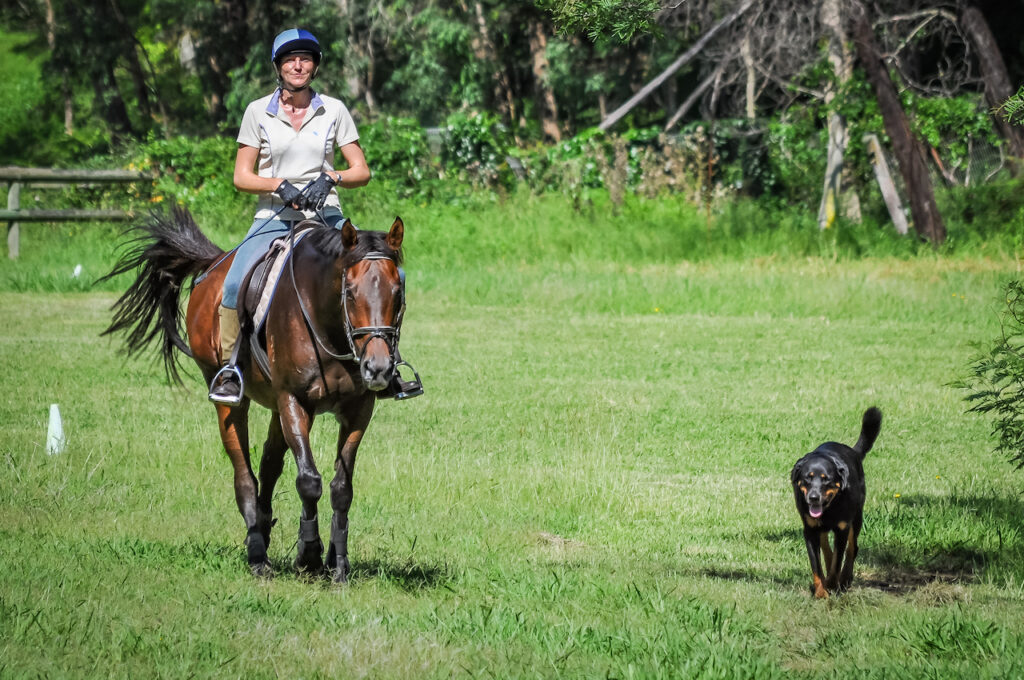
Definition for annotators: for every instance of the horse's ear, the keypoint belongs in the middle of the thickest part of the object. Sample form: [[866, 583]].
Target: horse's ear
[[396, 234], [349, 234]]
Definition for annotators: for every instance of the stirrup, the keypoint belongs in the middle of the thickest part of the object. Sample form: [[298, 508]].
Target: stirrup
[[407, 389], [219, 397]]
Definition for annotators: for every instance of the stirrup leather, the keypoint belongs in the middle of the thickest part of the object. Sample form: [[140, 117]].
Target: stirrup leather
[[225, 399]]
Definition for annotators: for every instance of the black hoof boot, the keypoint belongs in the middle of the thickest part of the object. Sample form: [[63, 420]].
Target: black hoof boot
[[310, 550], [256, 547]]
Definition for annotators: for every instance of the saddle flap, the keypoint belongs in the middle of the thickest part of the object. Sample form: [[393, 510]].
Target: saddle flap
[[265, 276]]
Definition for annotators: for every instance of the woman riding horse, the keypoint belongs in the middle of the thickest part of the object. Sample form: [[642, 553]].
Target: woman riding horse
[[331, 336], [287, 140]]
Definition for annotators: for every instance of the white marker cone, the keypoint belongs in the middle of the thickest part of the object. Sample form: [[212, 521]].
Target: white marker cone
[[55, 433]]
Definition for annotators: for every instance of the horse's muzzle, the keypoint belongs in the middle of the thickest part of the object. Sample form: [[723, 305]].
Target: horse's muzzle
[[377, 365]]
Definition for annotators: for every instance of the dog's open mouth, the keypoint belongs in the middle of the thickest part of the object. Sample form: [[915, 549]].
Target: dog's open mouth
[[815, 510]]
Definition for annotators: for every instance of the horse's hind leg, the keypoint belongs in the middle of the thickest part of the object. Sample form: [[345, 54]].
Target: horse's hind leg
[[234, 433], [270, 471], [295, 424]]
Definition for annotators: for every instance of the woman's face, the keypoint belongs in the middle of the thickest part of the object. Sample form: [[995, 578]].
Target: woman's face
[[297, 69]]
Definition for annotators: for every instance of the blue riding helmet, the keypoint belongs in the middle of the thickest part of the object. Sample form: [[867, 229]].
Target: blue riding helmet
[[295, 40]]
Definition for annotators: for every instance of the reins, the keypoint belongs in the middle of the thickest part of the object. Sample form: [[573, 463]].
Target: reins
[[389, 334], [197, 280]]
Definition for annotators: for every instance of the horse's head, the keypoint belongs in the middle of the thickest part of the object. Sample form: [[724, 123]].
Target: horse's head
[[373, 299]]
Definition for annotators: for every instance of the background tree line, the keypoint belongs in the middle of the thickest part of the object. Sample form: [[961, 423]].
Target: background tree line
[[766, 97]]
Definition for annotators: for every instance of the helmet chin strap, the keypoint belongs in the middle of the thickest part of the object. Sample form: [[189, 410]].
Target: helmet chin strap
[[283, 86]]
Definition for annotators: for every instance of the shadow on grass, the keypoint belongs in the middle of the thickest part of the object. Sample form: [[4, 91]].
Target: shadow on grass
[[406, 576]]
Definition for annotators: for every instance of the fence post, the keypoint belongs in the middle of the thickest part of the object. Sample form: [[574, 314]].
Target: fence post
[[13, 203]]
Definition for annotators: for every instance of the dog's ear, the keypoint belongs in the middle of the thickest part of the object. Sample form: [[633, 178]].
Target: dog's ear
[[844, 473], [797, 471]]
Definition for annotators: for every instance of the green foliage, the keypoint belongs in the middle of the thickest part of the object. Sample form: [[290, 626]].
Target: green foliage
[[951, 125], [991, 211], [434, 71], [28, 124], [995, 384], [474, 147], [622, 19], [397, 149], [1013, 108], [196, 173]]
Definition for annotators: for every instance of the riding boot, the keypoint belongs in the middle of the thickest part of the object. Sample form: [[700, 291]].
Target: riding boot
[[399, 388], [226, 387]]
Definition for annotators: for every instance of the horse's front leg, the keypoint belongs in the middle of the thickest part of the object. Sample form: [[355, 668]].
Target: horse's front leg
[[271, 466], [296, 421], [349, 437], [234, 433]]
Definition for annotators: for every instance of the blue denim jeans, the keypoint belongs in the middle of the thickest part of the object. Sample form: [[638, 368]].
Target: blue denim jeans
[[256, 243]]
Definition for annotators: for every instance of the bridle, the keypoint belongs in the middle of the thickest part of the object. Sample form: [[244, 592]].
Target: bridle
[[389, 334]]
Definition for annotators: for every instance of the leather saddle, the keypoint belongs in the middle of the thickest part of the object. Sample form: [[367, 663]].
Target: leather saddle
[[260, 286]]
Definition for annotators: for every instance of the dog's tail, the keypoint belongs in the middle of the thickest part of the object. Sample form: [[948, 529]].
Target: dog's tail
[[869, 429]]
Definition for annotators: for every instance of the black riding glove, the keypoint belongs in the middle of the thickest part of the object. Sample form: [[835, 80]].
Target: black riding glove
[[289, 194], [318, 191]]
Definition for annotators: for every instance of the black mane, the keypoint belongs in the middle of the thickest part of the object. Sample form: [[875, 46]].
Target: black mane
[[327, 240]]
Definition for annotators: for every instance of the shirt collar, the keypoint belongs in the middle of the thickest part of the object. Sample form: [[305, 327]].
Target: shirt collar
[[274, 105]]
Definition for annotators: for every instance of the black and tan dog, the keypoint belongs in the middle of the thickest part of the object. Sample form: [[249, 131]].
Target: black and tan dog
[[829, 487]]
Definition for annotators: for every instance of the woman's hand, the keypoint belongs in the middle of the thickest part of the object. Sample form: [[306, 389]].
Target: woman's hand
[[291, 196]]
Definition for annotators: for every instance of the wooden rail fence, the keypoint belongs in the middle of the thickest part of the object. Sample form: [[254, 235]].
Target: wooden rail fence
[[48, 178]]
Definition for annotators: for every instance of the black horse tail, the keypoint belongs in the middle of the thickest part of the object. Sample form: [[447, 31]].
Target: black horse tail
[[869, 429], [166, 251]]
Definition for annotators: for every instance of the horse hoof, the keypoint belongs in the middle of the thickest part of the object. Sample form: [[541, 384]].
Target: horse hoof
[[340, 576], [309, 559], [262, 570]]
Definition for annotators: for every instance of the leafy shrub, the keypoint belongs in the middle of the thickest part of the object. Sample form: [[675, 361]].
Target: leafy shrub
[[194, 172], [397, 149], [474, 146], [996, 381]]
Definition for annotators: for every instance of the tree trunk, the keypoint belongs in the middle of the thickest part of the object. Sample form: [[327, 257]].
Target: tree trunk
[[993, 72], [909, 151], [746, 53], [65, 83], [132, 57], [694, 50], [487, 53], [109, 97], [837, 191], [693, 97], [547, 105]]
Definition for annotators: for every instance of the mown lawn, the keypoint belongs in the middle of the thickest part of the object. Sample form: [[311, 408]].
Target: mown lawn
[[595, 484]]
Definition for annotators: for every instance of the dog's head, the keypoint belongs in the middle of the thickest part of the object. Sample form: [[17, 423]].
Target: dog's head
[[819, 479]]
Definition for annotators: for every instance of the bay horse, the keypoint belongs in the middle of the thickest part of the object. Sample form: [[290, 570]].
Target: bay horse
[[331, 335]]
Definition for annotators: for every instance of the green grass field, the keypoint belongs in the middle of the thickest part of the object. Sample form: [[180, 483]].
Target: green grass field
[[596, 483]]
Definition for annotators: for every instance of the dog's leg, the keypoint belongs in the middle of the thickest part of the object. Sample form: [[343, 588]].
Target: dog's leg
[[852, 548], [826, 549], [842, 541], [813, 538]]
